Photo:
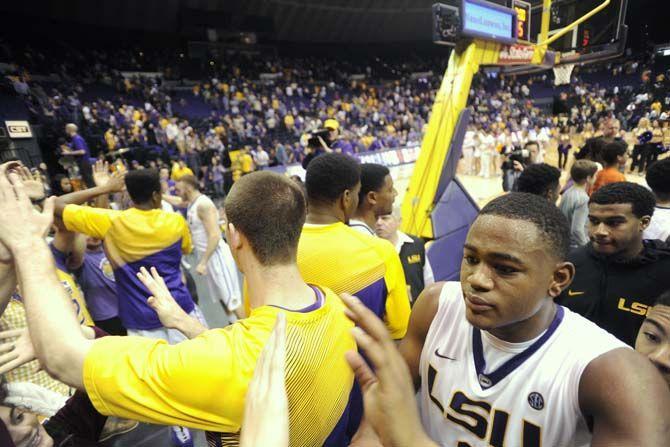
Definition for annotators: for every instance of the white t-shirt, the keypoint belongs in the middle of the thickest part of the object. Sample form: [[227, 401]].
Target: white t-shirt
[[659, 227]]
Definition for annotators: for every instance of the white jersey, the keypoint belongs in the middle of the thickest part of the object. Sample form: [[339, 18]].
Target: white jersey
[[197, 227], [222, 281], [479, 391]]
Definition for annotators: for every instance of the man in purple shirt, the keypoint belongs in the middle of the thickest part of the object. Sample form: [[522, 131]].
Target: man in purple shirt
[[79, 149], [343, 146]]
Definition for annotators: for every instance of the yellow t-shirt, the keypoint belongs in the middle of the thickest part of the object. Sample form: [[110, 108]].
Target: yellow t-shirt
[[71, 287], [289, 121], [247, 163], [345, 260], [110, 139], [202, 383]]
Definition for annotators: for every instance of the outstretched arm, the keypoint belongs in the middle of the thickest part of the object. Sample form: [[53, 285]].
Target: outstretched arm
[[7, 280], [34, 189], [108, 184], [388, 394], [174, 201], [59, 342], [17, 347], [266, 406]]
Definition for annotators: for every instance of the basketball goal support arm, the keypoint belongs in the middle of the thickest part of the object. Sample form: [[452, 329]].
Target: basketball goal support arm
[[450, 100], [547, 41]]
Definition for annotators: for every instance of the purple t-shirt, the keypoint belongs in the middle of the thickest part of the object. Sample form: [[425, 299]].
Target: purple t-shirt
[[96, 279], [79, 144]]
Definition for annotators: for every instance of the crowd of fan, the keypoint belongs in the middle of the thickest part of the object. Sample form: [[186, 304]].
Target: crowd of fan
[[268, 116]]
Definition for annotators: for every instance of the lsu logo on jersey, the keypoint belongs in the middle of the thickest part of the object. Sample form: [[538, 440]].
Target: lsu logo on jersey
[[477, 415], [106, 269], [414, 259], [633, 307]]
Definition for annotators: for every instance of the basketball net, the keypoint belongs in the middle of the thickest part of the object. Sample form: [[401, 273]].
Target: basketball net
[[563, 73]]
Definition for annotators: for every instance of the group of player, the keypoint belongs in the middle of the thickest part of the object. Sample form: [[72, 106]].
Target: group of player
[[494, 359]]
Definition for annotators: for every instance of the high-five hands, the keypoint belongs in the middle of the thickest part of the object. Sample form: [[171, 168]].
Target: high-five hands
[[266, 408], [388, 393], [114, 182], [169, 312], [20, 222], [17, 351]]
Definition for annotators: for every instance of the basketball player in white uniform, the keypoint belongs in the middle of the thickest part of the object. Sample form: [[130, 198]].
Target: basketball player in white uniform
[[498, 363], [215, 263]]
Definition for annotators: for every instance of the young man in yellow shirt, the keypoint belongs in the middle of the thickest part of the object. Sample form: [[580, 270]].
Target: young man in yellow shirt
[[345, 260], [201, 382]]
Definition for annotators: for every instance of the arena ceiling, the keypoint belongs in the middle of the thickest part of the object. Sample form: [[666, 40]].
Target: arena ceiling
[[289, 20], [335, 21]]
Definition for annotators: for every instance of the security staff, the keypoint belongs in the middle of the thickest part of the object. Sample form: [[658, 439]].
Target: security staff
[[618, 274], [412, 252]]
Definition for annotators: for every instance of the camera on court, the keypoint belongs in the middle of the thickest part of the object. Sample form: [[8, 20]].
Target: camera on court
[[314, 135], [520, 155]]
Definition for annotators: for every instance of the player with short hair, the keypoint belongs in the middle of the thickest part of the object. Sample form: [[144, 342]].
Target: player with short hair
[[143, 235], [345, 260], [653, 340], [214, 264], [540, 179], [500, 363], [200, 382], [374, 199], [619, 274], [341, 258]]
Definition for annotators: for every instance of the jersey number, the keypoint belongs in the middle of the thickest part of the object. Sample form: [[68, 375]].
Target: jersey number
[[461, 412]]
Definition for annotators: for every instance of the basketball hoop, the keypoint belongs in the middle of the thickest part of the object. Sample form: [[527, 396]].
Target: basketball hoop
[[563, 74]]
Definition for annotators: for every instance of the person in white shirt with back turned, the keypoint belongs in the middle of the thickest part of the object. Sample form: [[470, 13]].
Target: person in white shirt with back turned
[[215, 263]]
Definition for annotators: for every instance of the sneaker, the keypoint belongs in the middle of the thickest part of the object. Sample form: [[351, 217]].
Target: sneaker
[[181, 437]]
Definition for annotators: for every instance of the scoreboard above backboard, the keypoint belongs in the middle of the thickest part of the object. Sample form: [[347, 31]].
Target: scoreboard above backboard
[[474, 19], [523, 13]]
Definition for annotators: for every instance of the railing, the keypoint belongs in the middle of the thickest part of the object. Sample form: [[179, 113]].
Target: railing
[[386, 157]]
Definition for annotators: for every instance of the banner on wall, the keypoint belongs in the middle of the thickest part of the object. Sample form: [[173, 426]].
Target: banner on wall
[[18, 129], [388, 157]]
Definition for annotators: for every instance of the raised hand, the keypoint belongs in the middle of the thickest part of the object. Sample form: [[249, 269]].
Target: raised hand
[[388, 393], [117, 182], [20, 223], [169, 312], [32, 183], [114, 182], [101, 174], [17, 351], [266, 408]]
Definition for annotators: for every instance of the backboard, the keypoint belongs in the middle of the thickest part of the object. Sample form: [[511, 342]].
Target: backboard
[[601, 37]]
